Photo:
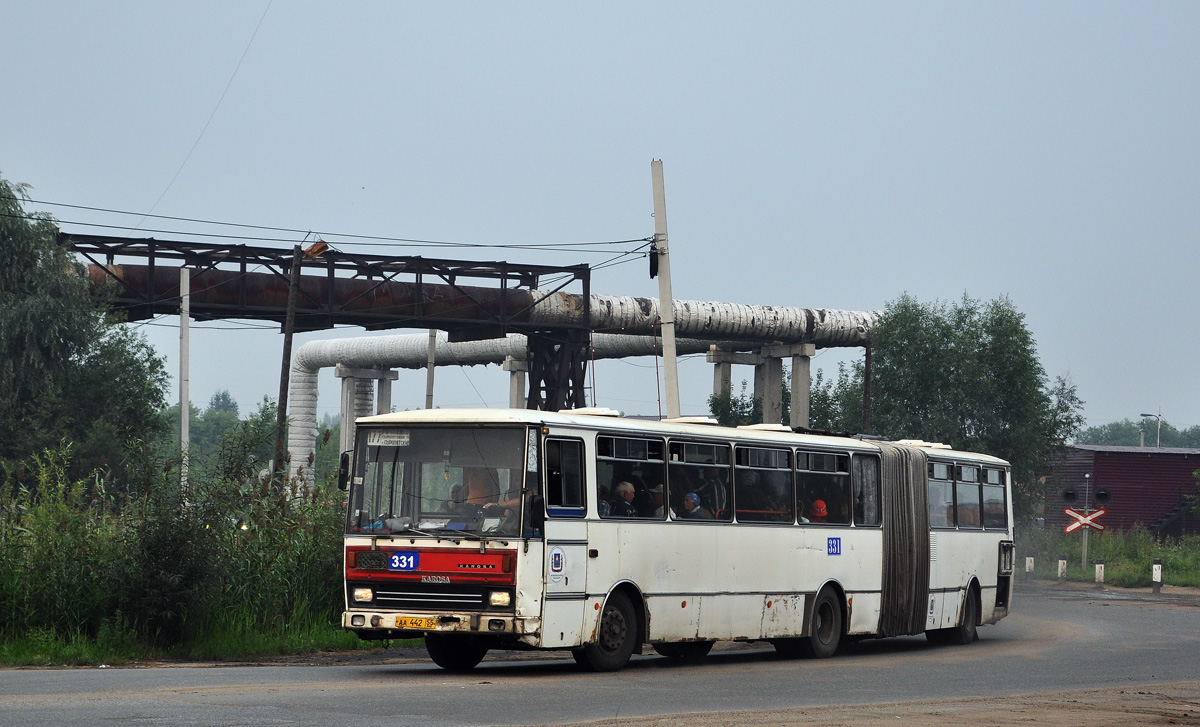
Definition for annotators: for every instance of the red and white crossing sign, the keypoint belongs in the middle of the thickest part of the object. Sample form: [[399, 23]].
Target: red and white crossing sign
[[1082, 520]]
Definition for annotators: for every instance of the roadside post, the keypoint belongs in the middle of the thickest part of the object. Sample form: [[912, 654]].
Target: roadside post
[[1062, 569], [1028, 567], [1156, 575], [1099, 574]]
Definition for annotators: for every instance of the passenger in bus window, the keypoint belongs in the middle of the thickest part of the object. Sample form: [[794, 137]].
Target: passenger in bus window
[[818, 513], [622, 504], [693, 509], [656, 501]]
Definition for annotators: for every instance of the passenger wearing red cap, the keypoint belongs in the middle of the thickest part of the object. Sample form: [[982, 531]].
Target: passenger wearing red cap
[[818, 513]]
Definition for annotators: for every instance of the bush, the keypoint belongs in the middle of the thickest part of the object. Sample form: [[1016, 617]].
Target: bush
[[229, 563]]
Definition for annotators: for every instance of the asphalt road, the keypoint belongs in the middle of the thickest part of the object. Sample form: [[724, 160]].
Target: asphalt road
[[1057, 640]]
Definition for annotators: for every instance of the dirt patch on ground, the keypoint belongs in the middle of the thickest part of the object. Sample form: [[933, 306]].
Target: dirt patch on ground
[[1164, 704]]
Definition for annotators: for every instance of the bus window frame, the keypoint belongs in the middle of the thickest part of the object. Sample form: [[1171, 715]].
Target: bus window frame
[[789, 469], [878, 489], [563, 511], [847, 494], [647, 460], [670, 502], [960, 484], [953, 504], [1002, 486]]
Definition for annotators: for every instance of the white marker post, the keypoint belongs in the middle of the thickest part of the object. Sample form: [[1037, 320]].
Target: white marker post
[[1099, 573], [1156, 575], [1028, 567], [1062, 569]]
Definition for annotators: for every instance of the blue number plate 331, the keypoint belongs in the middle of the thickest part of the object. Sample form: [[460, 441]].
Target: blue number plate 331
[[404, 560]]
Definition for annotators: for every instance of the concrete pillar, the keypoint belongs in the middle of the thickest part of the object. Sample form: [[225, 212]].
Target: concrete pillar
[[722, 376], [346, 441], [802, 384], [772, 391], [383, 396], [358, 397], [516, 369]]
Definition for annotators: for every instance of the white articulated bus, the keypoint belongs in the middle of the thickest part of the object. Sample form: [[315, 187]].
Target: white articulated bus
[[512, 529]]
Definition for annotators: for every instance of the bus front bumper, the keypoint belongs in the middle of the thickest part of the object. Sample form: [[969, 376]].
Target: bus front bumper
[[397, 624]]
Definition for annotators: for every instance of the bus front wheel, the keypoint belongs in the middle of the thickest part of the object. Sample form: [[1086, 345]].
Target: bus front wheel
[[615, 638], [826, 630], [452, 653]]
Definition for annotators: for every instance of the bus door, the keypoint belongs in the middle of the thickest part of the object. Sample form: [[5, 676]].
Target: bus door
[[566, 542]]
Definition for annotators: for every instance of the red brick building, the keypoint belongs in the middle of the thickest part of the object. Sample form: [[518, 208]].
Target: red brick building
[[1146, 485]]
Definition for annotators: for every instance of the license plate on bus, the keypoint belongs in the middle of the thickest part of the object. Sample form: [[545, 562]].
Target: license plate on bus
[[404, 560], [416, 622]]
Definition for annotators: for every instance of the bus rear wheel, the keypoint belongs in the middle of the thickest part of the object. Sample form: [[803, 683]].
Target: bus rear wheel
[[615, 638], [825, 633], [452, 653], [686, 650], [968, 630]]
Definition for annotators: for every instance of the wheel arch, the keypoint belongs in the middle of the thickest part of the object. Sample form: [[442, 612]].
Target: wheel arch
[[640, 610]]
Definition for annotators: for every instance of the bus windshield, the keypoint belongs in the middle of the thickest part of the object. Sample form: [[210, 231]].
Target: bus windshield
[[443, 481]]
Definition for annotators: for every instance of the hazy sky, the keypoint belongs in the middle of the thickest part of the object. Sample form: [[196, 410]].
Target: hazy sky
[[816, 155]]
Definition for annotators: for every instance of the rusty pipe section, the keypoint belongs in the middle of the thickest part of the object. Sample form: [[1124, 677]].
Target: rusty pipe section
[[222, 293]]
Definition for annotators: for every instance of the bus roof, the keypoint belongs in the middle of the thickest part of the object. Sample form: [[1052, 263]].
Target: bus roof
[[605, 420]]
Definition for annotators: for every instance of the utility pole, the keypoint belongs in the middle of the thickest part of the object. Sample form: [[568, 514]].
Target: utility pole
[[666, 304], [185, 404], [431, 362], [279, 473]]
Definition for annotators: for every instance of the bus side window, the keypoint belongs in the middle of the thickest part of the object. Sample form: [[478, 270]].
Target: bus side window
[[941, 496], [564, 478], [866, 490]]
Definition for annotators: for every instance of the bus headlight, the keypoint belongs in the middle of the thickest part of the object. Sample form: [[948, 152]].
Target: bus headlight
[[500, 598], [363, 595]]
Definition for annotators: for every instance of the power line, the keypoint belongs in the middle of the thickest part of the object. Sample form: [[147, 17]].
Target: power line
[[562, 246], [214, 111]]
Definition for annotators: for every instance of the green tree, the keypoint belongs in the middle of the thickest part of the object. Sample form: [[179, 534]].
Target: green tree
[[69, 373]]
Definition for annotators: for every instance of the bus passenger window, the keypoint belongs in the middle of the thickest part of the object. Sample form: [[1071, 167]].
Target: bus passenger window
[[823, 491], [763, 485], [564, 477], [941, 496], [630, 474], [866, 490], [967, 495]]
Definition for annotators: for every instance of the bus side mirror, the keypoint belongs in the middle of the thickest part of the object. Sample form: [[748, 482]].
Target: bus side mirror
[[344, 471]]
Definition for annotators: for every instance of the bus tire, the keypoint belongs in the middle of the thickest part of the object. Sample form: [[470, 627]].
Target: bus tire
[[967, 630], [825, 632], [452, 653], [616, 637], [685, 650]]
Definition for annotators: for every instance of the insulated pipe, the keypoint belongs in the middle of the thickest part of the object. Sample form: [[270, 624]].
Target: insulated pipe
[[216, 294], [411, 351]]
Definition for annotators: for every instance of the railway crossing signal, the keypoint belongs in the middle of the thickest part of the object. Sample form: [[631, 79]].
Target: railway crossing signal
[[1084, 520]]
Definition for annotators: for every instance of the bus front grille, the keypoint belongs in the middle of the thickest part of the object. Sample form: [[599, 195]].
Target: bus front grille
[[409, 596]]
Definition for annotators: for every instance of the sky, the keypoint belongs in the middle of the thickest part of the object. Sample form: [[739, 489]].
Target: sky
[[817, 155]]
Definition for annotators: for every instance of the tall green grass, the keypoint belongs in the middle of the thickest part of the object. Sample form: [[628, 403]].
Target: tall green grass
[[1128, 556], [230, 566]]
